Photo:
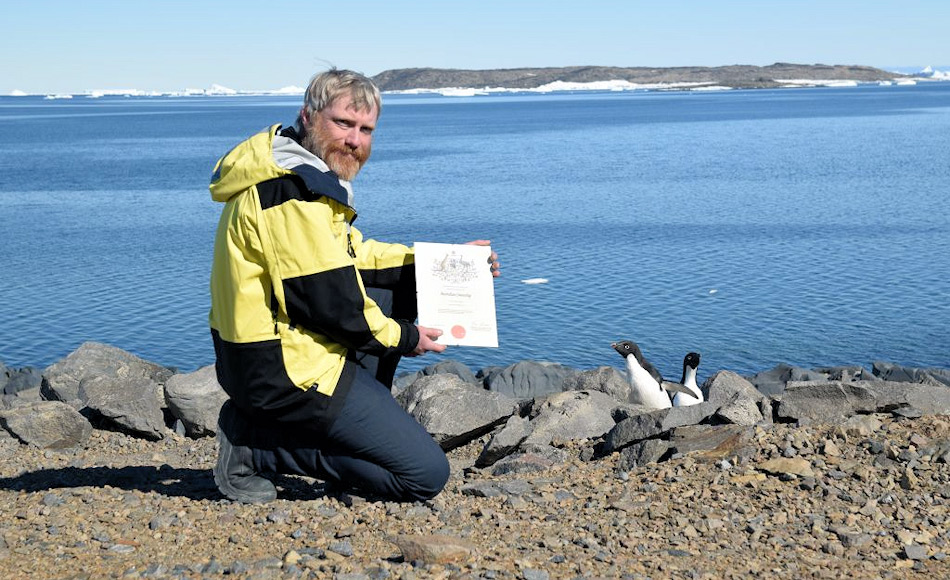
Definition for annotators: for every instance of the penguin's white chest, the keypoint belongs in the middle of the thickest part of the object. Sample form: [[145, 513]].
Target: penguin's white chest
[[684, 400], [646, 390]]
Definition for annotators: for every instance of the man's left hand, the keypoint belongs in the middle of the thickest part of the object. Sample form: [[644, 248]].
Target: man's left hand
[[493, 260]]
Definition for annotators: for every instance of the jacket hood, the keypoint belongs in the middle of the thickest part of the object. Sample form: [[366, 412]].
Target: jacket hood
[[270, 154]]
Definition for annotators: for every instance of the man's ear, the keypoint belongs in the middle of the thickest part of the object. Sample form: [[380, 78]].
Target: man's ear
[[305, 116]]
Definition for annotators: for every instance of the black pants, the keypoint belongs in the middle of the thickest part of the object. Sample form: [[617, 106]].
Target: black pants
[[372, 445]]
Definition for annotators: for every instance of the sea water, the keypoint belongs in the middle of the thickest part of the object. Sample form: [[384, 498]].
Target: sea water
[[807, 226]]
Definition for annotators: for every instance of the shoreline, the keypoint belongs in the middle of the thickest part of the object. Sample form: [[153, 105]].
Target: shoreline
[[709, 491]]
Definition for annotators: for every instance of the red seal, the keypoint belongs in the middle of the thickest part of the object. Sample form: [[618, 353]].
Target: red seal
[[458, 331]]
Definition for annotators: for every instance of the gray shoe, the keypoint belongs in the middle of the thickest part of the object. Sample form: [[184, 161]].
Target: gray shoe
[[234, 473]]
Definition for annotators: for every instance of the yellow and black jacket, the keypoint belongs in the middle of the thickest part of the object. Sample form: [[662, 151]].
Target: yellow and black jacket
[[288, 281]]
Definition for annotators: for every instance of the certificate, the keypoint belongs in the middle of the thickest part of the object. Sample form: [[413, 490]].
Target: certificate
[[455, 292]]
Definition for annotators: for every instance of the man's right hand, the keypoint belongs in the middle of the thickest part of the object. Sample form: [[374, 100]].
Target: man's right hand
[[427, 343]]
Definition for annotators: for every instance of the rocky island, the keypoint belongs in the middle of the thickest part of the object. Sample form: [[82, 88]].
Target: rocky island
[[734, 76], [790, 473]]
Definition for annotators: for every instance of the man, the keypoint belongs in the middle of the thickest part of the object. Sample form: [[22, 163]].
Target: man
[[305, 354]]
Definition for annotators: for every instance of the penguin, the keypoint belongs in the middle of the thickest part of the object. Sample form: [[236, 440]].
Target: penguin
[[643, 376], [695, 396]]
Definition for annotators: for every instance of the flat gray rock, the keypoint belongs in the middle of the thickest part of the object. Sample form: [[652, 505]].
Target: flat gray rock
[[504, 441], [47, 424], [571, 415], [132, 405], [453, 411], [835, 401], [62, 379], [196, 398], [713, 442]]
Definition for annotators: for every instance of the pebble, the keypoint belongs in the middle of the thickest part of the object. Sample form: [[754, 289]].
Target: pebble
[[867, 499]]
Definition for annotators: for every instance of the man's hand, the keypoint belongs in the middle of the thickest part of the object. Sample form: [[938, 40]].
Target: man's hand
[[427, 343], [493, 260]]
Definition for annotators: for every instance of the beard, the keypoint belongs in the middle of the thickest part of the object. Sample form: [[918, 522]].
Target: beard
[[345, 161]]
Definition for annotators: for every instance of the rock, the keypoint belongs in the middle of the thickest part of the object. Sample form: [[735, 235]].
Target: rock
[[901, 374], [712, 442], [607, 380], [434, 549], [740, 411], [535, 461], [649, 425], [569, 416], [61, 380], [847, 374], [773, 381], [835, 401], [23, 379], [915, 552], [504, 441], [726, 387], [825, 402], [642, 453], [47, 424], [528, 379], [787, 466], [861, 426], [442, 367], [196, 399], [21, 398], [455, 412], [130, 404]]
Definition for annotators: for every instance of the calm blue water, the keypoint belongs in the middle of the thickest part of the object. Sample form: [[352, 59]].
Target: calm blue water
[[807, 226]]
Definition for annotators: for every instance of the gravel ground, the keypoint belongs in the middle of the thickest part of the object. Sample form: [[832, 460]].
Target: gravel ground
[[807, 502]]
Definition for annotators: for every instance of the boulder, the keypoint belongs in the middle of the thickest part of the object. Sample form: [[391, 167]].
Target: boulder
[[571, 415], [713, 442], [47, 424], [455, 412], [847, 374], [607, 380], [61, 380], [891, 372], [504, 441], [528, 379], [773, 381], [196, 398], [20, 398], [636, 428], [131, 405], [726, 387], [641, 453], [833, 402], [12, 381], [740, 411], [441, 367]]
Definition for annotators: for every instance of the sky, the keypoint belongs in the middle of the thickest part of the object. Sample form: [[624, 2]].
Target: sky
[[54, 46]]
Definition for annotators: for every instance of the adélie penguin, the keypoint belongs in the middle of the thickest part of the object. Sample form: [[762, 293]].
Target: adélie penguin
[[648, 386], [694, 396]]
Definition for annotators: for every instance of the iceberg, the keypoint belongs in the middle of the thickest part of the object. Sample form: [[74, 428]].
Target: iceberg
[[18, 93], [818, 82]]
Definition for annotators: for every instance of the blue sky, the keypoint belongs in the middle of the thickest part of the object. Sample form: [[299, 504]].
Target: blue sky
[[69, 46]]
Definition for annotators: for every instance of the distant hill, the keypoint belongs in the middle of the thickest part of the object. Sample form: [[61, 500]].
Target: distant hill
[[736, 76]]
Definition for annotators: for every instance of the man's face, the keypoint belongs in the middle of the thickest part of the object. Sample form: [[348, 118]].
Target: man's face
[[341, 135]]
